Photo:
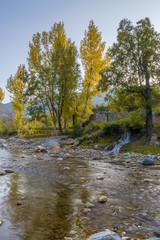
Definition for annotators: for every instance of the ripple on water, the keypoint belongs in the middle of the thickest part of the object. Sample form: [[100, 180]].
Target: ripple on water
[[50, 198]]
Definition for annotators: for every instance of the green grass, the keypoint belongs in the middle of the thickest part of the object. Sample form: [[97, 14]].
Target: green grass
[[141, 148]]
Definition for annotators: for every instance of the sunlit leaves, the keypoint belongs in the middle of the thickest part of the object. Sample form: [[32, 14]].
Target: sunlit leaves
[[54, 72], [1, 95], [94, 60], [16, 85]]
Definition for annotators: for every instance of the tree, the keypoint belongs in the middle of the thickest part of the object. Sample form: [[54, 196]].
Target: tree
[[134, 65], [120, 101], [94, 60], [16, 86], [54, 72], [1, 95]]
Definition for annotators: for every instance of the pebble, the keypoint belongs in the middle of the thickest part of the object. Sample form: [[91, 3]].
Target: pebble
[[100, 178], [1, 222], [2, 172], [66, 168], [86, 210], [72, 232], [19, 203], [90, 205], [9, 171], [67, 155], [103, 199]]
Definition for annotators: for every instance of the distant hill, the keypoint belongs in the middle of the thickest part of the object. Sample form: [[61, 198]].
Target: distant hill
[[99, 100], [6, 110]]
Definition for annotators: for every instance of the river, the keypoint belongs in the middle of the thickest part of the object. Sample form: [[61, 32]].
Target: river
[[44, 198]]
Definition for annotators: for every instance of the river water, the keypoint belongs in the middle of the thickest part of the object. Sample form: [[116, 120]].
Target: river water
[[44, 198]]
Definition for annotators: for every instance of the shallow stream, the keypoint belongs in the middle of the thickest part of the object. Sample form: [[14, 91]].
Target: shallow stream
[[44, 198]]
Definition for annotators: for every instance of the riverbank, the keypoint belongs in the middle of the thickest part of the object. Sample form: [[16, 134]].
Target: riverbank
[[83, 177]]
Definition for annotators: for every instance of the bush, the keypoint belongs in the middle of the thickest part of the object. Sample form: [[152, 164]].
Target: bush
[[135, 120], [92, 127], [7, 128], [31, 128], [77, 131], [113, 129]]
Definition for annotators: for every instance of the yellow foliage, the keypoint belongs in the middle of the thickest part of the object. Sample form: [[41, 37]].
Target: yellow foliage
[[16, 86]]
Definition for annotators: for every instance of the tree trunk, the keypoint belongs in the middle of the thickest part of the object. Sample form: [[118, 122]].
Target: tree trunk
[[65, 125], [149, 122], [74, 120], [60, 125], [55, 129], [86, 103], [53, 115]]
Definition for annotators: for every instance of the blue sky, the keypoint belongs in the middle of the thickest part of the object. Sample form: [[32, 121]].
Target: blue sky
[[20, 19]]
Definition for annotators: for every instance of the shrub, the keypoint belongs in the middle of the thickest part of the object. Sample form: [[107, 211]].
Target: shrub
[[92, 127], [77, 131], [113, 129], [135, 120]]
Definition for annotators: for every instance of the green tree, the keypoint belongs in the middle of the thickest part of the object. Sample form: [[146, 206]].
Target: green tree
[[54, 71], [120, 101], [16, 85], [94, 60], [134, 63]]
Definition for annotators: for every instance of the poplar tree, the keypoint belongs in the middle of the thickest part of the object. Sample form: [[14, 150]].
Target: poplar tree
[[16, 86], [54, 70], [2, 94], [94, 60]]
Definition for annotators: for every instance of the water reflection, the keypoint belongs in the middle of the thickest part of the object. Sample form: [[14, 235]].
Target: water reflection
[[133, 200], [41, 208], [40, 201]]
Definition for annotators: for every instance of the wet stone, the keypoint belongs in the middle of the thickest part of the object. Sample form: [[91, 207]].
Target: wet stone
[[67, 155], [2, 172], [147, 161], [19, 203], [1, 222], [105, 235], [100, 178], [9, 171], [66, 168], [80, 157], [96, 158], [90, 205], [157, 234], [103, 199], [86, 210], [72, 232]]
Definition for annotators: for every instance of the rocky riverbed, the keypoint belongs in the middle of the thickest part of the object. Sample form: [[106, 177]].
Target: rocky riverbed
[[54, 190]]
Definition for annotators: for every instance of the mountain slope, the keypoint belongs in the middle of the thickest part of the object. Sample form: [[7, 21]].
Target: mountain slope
[[6, 109]]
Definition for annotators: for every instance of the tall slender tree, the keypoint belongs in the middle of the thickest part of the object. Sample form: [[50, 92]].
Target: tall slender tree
[[16, 86], [94, 60]]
